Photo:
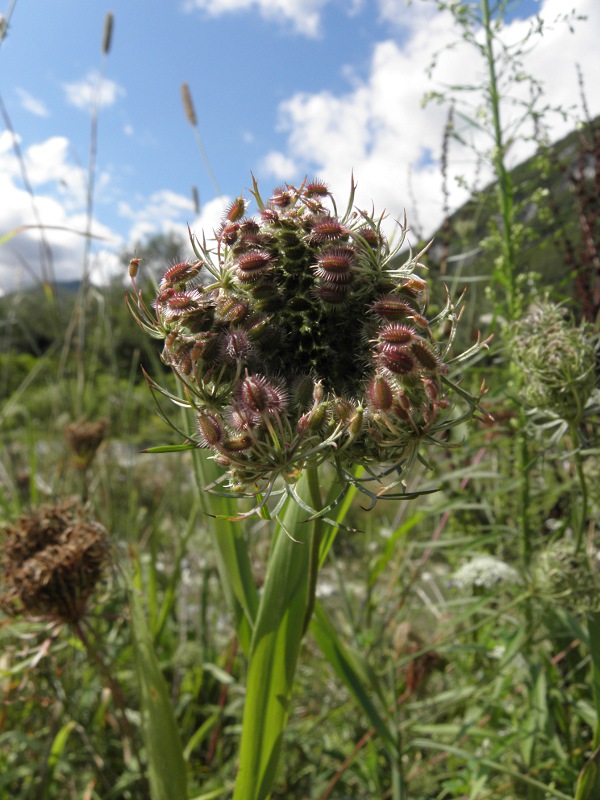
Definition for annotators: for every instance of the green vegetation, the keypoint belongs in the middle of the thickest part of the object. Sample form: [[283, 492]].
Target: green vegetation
[[454, 647]]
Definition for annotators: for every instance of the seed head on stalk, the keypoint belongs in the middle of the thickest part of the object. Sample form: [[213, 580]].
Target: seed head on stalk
[[299, 339]]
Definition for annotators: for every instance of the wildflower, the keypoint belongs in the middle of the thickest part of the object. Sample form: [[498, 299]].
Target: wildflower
[[52, 561], [484, 572], [561, 575], [557, 360], [306, 341]]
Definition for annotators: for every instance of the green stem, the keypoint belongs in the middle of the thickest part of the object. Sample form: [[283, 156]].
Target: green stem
[[505, 188], [580, 519], [315, 544], [524, 490], [287, 594]]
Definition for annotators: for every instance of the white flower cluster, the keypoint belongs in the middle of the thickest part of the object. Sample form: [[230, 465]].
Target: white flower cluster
[[484, 572]]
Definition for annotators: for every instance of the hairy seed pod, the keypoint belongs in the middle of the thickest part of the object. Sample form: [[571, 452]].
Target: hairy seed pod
[[370, 236], [328, 229], [253, 264], [335, 264], [133, 267], [229, 233], [397, 360], [333, 293], [206, 347], [254, 393], [236, 345], [281, 197], [380, 394], [395, 333], [270, 216], [392, 308], [317, 418], [230, 309], [179, 272], [316, 187], [210, 430], [236, 210], [237, 444], [356, 422], [424, 354]]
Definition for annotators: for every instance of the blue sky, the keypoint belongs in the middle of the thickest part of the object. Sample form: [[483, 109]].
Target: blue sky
[[283, 88]]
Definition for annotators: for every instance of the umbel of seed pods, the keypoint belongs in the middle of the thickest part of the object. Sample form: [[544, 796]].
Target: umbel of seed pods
[[300, 339]]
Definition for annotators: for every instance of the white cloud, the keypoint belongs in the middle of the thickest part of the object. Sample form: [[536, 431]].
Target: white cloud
[[32, 104], [280, 166], [163, 212], [303, 15], [92, 89], [56, 252], [379, 129]]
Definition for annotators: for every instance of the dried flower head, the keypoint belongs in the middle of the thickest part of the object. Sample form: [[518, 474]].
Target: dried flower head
[[325, 352], [52, 560], [84, 439]]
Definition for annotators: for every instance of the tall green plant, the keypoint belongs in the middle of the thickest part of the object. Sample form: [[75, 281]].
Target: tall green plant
[[299, 343]]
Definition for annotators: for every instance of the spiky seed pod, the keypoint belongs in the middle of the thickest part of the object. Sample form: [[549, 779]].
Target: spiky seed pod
[[236, 346], [237, 444], [424, 354], [380, 394], [281, 197], [316, 188], [334, 294], [253, 265], [179, 273], [370, 236], [335, 264], [396, 334], [256, 393], [397, 360], [308, 342], [236, 210], [206, 347], [392, 308], [211, 431], [180, 304], [328, 229], [228, 234]]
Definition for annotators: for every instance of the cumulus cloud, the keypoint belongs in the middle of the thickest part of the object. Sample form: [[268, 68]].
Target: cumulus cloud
[[304, 16], [162, 212], [92, 89], [280, 166], [55, 250], [379, 129], [31, 103]]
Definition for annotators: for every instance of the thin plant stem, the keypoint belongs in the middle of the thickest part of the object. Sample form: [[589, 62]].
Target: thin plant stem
[[314, 544], [111, 682], [579, 519], [505, 188]]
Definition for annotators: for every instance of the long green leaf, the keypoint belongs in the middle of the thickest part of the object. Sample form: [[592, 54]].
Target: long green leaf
[[355, 673], [276, 642], [166, 765], [233, 560]]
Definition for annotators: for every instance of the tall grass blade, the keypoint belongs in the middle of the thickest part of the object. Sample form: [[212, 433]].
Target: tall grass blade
[[355, 673], [166, 764]]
